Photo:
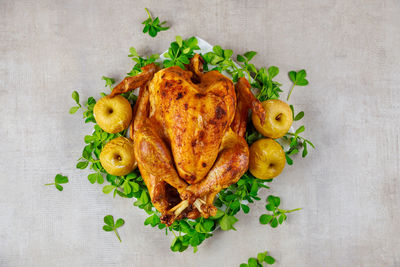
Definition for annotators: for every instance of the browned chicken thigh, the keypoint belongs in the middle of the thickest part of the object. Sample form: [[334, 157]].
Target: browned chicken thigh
[[188, 132]]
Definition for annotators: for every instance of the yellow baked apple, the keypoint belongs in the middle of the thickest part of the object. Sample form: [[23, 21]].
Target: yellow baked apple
[[278, 119], [267, 159], [117, 156], [113, 114]]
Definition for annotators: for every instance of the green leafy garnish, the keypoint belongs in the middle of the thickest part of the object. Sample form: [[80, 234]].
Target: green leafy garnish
[[299, 115], [278, 216], [227, 222], [153, 26], [111, 226], [262, 258], [235, 196], [298, 78], [258, 78], [190, 233], [221, 59], [269, 89], [140, 61], [75, 96], [87, 109], [180, 52], [295, 141], [58, 180], [229, 201], [193, 233], [109, 81]]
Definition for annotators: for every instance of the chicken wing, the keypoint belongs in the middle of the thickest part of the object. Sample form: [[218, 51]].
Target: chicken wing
[[246, 101], [131, 83]]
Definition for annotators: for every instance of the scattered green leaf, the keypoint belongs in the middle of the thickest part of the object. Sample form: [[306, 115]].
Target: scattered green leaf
[[58, 180], [110, 225], [298, 78], [153, 27], [109, 81], [262, 258], [227, 222], [140, 62], [276, 216]]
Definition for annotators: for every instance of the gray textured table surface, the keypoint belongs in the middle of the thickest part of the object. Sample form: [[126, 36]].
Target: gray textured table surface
[[349, 187]]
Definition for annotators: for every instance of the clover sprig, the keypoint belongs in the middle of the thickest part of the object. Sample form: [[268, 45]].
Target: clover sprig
[[109, 81], [262, 258], [276, 215], [153, 26], [296, 142], [140, 62], [87, 108], [58, 180], [298, 78], [110, 225], [180, 52], [259, 78]]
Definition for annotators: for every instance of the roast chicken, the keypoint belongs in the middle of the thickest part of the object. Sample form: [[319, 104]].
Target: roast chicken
[[188, 130]]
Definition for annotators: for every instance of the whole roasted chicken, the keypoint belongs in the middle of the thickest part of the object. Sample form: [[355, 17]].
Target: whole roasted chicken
[[188, 129]]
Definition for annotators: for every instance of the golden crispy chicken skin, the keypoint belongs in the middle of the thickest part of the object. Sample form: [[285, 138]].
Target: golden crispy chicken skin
[[194, 117], [188, 132]]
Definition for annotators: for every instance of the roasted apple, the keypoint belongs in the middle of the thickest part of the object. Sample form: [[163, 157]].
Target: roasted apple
[[267, 159], [113, 114], [278, 119], [117, 156]]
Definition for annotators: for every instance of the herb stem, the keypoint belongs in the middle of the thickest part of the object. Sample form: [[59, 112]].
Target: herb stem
[[50, 184], [255, 77], [290, 92], [148, 13], [288, 211], [115, 231], [173, 232], [234, 66], [248, 73], [229, 207], [246, 70]]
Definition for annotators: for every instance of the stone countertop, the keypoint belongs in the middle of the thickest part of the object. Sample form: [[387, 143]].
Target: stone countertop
[[348, 187]]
